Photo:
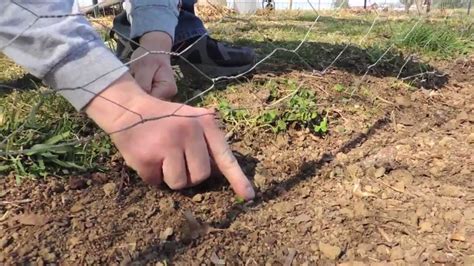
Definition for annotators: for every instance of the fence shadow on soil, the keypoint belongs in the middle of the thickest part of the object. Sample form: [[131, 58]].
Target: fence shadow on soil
[[308, 170]]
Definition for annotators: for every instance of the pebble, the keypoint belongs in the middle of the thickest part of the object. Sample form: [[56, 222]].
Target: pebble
[[402, 175], [426, 227], [329, 251], [396, 253], [283, 207], [166, 233], [379, 172], [77, 207], [110, 189], [450, 191], [403, 101], [260, 180], [197, 198]]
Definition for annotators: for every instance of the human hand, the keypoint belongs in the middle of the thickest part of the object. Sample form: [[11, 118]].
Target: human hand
[[153, 72], [176, 149]]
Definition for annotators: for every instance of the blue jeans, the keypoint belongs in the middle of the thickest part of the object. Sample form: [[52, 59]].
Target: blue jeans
[[189, 25]]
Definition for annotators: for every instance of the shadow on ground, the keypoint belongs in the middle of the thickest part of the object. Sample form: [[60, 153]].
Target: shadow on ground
[[318, 58], [171, 249]]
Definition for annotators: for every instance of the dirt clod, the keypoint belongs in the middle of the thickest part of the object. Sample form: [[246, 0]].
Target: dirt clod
[[396, 253], [450, 191], [329, 251], [77, 183]]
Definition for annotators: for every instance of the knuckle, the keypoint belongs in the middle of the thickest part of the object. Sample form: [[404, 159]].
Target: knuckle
[[177, 183], [152, 180], [202, 175]]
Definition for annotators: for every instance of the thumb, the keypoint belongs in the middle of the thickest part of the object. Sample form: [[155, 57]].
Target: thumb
[[225, 159]]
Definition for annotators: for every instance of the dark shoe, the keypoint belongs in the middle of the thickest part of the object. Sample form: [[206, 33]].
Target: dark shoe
[[216, 58], [210, 56]]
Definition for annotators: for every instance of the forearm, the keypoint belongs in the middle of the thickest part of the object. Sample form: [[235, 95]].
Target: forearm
[[64, 51]]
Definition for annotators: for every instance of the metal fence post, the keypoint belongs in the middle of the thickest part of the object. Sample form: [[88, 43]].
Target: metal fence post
[[96, 8]]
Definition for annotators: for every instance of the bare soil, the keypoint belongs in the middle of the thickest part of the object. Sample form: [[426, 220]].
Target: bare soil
[[392, 183]]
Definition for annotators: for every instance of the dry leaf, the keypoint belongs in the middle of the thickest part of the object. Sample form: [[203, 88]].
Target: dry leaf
[[195, 229], [32, 219]]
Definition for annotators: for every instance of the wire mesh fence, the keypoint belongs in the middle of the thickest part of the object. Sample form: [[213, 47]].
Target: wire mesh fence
[[409, 67]]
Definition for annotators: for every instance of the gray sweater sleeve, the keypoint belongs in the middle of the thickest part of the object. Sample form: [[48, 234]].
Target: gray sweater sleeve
[[64, 51]]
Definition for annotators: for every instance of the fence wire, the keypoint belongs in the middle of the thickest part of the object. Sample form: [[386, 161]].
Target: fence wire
[[214, 80]]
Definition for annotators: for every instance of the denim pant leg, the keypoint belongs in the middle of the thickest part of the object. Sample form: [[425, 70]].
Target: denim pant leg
[[189, 25]]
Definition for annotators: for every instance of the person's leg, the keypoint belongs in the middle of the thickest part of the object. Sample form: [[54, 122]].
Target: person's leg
[[189, 25], [213, 57]]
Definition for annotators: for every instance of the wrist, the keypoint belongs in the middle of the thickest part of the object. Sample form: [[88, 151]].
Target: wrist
[[118, 100], [156, 41]]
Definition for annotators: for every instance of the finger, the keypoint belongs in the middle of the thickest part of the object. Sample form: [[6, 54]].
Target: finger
[[151, 174], [225, 159], [144, 76], [174, 170], [164, 86], [197, 159]]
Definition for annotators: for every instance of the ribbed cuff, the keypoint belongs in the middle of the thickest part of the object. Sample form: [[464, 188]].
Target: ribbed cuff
[[86, 73], [149, 16]]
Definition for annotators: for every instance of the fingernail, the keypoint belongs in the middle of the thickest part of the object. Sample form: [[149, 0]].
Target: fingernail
[[250, 192]]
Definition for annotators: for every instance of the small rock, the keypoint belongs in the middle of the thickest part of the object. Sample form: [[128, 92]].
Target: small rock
[[305, 192], [400, 186], [197, 198], [396, 253], [383, 251], [283, 207], [329, 251], [166, 234], [260, 180], [110, 189], [379, 172], [402, 175], [76, 183], [426, 227], [450, 191], [403, 101], [244, 248], [77, 207]]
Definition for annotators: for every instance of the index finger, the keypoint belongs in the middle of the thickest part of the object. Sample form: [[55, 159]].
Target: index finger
[[225, 159]]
